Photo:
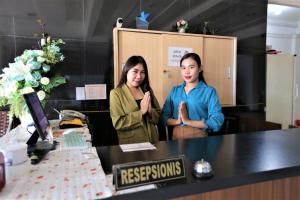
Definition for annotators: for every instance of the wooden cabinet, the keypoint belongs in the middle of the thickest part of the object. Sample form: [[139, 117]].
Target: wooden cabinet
[[146, 45], [171, 74], [219, 67], [218, 55]]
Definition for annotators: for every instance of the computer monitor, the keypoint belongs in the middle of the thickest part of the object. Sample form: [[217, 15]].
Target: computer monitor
[[40, 120]]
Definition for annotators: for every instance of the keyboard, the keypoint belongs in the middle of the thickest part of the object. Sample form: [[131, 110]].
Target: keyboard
[[74, 140]]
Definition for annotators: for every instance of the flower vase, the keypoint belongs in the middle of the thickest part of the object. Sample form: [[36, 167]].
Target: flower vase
[[181, 30], [25, 119]]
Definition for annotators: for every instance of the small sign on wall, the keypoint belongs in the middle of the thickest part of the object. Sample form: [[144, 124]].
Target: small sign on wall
[[80, 93], [175, 54], [95, 91]]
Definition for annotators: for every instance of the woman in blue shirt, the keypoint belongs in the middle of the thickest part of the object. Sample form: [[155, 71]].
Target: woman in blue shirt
[[192, 107]]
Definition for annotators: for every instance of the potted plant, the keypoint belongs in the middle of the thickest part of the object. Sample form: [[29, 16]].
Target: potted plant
[[182, 25], [30, 73]]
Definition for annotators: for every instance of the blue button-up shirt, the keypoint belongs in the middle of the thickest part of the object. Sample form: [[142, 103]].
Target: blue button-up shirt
[[202, 104]]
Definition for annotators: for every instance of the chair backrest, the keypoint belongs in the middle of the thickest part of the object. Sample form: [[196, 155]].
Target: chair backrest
[[162, 132], [4, 122], [101, 128]]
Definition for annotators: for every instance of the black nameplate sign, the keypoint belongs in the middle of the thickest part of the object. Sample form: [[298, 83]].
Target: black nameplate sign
[[141, 173]]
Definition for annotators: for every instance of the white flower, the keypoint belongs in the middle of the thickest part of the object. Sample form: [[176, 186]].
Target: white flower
[[46, 68], [41, 94], [26, 90], [48, 39], [38, 52], [8, 86], [10, 89], [40, 59], [2, 92], [45, 81], [43, 42], [182, 24], [17, 70]]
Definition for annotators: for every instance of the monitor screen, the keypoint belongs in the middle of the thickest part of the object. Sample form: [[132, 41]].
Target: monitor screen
[[37, 112]]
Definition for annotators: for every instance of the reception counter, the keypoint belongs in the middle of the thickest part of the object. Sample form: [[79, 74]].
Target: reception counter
[[258, 165]]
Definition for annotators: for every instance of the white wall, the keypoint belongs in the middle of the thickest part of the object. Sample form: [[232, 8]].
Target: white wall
[[281, 43], [281, 36]]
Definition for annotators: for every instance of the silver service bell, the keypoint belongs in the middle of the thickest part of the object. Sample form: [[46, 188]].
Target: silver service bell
[[202, 169]]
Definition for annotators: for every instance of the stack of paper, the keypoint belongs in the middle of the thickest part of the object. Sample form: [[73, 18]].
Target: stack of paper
[[137, 147]]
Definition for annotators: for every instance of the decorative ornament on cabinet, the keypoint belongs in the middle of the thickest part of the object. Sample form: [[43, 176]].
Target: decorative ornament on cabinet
[[208, 28], [119, 22], [141, 21], [182, 25]]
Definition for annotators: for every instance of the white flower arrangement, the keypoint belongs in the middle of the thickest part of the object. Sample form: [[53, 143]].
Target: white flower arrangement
[[182, 24], [29, 73]]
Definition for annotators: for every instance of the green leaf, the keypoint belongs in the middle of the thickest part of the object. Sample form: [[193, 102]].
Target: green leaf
[[54, 82], [57, 80], [3, 101]]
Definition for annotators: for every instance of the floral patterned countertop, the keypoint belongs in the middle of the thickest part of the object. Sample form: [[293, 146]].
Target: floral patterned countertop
[[62, 174]]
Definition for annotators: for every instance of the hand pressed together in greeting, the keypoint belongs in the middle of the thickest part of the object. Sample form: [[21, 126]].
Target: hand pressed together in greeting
[[184, 118], [146, 103], [182, 113]]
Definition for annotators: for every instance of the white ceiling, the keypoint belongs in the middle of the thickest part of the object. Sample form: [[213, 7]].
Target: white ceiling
[[288, 14]]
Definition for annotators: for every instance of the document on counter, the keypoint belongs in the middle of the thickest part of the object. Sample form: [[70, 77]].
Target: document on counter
[[137, 147]]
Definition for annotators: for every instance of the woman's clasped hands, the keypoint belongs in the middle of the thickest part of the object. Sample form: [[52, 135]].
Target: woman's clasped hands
[[182, 113], [146, 103]]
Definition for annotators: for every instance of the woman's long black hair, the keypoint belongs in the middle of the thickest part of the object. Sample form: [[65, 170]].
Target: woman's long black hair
[[196, 58], [130, 63]]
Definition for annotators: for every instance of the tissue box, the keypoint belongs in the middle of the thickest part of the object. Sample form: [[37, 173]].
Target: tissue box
[[15, 153]]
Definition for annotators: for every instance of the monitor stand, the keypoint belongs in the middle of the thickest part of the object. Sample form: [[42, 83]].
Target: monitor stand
[[36, 150]]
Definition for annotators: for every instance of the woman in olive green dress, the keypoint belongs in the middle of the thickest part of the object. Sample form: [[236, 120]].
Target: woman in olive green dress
[[134, 110]]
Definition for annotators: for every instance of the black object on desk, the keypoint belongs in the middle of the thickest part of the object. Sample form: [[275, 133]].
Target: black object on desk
[[37, 150]]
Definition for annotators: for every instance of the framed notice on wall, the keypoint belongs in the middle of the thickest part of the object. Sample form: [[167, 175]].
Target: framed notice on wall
[[175, 54], [95, 91]]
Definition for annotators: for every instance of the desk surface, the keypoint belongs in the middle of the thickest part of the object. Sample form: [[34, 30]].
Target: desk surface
[[62, 174], [236, 160]]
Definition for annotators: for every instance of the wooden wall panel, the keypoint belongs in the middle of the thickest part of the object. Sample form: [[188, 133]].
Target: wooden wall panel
[[281, 189]]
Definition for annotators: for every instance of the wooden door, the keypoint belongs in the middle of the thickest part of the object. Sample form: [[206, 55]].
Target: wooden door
[[171, 74], [219, 67], [147, 45], [279, 98]]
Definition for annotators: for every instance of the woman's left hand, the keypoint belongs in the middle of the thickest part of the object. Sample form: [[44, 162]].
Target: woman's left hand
[[183, 111], [149, 106], [145, 103]]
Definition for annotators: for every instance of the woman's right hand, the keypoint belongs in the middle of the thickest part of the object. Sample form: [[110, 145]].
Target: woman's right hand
[[183, 113], [179, 119], [145, 103]]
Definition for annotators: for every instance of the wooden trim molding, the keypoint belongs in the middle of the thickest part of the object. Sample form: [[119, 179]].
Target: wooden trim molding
[[286, 188]]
